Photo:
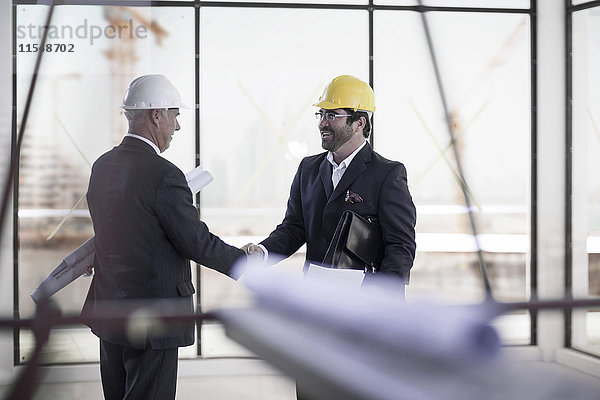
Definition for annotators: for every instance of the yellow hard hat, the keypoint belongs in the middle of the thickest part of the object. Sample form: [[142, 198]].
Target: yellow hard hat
[[347, 91]]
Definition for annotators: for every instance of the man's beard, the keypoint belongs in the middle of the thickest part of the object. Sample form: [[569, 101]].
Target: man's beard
[[336, 138]]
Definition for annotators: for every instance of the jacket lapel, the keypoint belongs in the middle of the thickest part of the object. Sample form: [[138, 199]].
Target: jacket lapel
[[325, 172], [356, 167]]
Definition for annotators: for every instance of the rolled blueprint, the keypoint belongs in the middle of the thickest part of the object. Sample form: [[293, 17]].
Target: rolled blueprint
[[379, 319], [369, 345], [198, 178], [75, 264], [72, 267]]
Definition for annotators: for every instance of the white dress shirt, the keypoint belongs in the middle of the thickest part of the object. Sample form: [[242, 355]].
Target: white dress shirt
[[338, 170], [337, 173]]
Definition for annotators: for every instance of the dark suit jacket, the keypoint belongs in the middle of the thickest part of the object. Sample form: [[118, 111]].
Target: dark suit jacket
[[314, 209], [147, 229]]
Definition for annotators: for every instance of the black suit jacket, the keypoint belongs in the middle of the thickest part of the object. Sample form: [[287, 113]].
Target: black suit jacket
[[314, 209], [147, 229]]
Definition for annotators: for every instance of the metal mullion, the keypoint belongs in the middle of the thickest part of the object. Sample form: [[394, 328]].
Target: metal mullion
[[462, 9], [126, 3], [568, 311], [369, 6], [197, 3], [13, 176], [242, 4], [371, 11], [238, 4], [15, 197], [197, 163], [568, 173], [533, 261]]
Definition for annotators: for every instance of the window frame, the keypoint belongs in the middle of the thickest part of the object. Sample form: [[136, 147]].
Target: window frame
[[369, 7], [570, 10]]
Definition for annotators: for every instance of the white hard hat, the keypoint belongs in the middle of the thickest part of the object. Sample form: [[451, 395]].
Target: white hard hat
[[151, 91]]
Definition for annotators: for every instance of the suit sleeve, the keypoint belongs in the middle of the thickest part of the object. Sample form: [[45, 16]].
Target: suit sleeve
[[397, 215], [189, 235], [290, 235]]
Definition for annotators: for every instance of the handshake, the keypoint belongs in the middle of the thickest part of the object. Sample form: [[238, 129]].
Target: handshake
[[254, 253]]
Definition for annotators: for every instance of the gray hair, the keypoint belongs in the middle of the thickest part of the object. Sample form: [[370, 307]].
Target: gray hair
[[132, 115], [135, 114]]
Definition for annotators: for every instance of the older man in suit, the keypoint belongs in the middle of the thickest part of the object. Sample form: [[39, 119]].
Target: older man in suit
[[147, 231], [348, 176]]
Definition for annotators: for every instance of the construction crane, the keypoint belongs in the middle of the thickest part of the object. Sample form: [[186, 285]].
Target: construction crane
[[122, 55]]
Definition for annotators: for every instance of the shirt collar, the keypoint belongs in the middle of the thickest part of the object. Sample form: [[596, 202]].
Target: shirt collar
[[155, 147], [347, 160]]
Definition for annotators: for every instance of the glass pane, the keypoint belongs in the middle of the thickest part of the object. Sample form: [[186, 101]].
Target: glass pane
[[459, 3], [585, 181], [484, 62], [93, 54], [261, 70]]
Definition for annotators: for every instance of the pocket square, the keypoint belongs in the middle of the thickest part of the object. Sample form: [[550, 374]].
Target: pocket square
[[352, 197]]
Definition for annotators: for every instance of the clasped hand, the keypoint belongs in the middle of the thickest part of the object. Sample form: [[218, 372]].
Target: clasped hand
[[253, 252]]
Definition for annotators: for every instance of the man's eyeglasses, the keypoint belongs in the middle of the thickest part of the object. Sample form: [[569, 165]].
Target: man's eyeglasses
[[329, 116]]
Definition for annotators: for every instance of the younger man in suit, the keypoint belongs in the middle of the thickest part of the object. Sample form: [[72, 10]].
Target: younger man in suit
[[348, 176]]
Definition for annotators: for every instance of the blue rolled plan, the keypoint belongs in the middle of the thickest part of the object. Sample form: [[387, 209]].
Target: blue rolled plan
[[75, 264]]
